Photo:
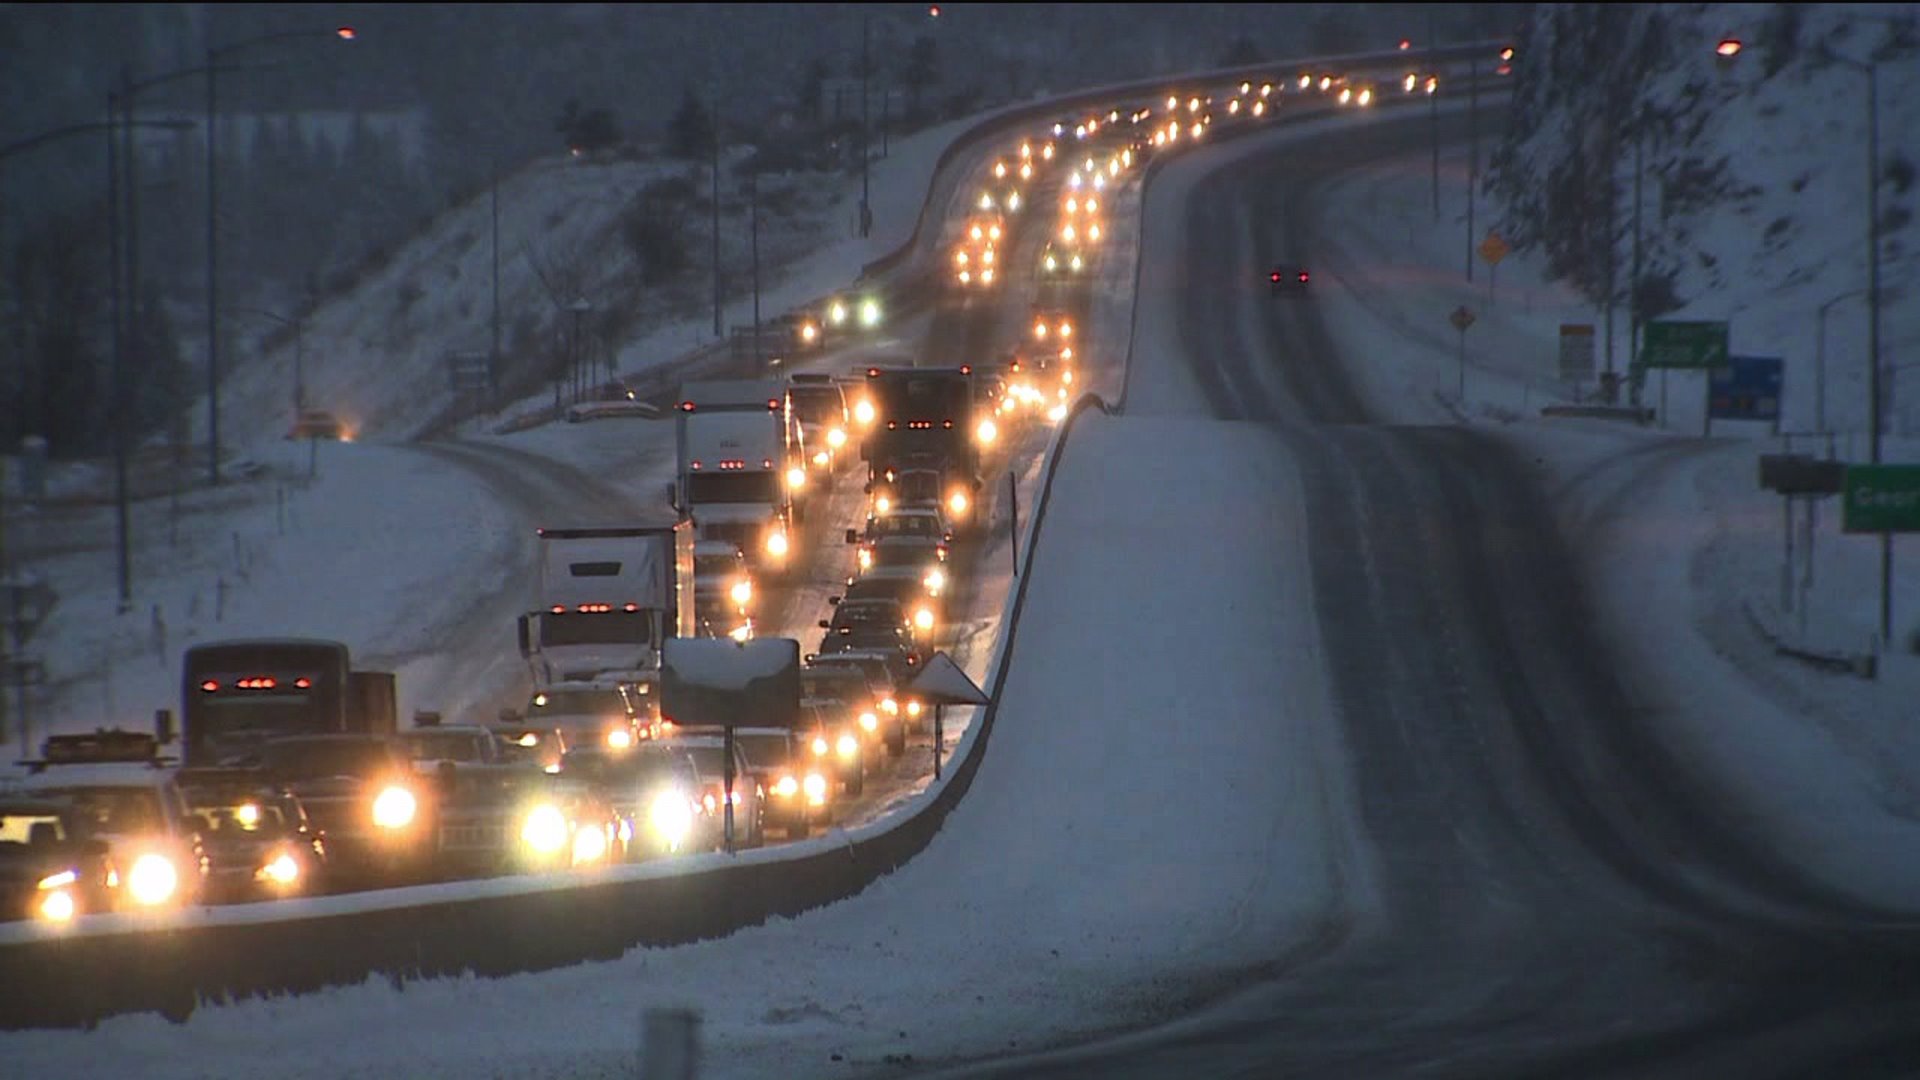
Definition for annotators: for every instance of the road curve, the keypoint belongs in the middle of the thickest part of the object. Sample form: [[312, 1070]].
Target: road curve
[[1556, 894]]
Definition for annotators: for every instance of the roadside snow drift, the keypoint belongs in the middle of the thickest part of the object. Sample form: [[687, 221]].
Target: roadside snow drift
[[1133, 838]]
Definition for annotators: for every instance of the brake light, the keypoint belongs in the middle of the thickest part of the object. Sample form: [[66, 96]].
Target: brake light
[[209, 686], [631, 607], [1274, 277], [686, 406], [873, 373], [1303, 277], [302, 683], [773, 404]]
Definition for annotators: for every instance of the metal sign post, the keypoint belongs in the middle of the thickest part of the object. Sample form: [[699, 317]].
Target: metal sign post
[[941, 683], [1493, 249], [1461, 318]]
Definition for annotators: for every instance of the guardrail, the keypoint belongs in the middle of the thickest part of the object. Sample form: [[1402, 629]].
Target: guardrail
[[51, 977]]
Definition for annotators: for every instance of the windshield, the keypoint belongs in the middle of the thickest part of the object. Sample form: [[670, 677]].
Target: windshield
[[731, 487], [868, 613], [893, 555], [766, 751], [443, 746], [596, 628], [304, 760], [123, 810], [22, 827], [919, 485], [716, 565], [906, 525], [240, 817], [608, 703], [818, 405], [708, 760]]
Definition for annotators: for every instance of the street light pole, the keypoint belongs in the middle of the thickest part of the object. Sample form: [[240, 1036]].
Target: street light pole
[[1820, 357], [866, 204], [715, 193], [1433, 112], [117, 400], [753, 232]]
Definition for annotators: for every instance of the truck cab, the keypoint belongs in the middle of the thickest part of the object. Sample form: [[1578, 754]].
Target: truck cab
[[742, 471], [608, 597]]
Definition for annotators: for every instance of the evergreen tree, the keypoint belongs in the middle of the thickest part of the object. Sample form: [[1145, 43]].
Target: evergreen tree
[[690, 132]]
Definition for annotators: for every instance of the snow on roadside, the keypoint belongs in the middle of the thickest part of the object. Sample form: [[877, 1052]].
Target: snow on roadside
[[1091, 941], [1685, 548]]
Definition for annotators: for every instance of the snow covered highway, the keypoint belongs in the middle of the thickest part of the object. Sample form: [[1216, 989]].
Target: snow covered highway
[[1325, 740]]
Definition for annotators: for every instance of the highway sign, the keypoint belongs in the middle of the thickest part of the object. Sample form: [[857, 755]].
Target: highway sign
[[1684, 345], [1748, 388], [1881, 498], [1801, 474], [1461, 318], [1493, 248], [1576, 351]]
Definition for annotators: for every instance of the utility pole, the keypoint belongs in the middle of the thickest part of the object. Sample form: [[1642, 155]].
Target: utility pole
[[213, 279], [753, 231], [116, 409], [715, 140], [1473, 153], [1433, 111], [866, 125], [493, 353], [1633, 285]]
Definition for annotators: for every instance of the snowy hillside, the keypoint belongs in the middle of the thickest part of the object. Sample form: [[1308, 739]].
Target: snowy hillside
[[1754, 178]]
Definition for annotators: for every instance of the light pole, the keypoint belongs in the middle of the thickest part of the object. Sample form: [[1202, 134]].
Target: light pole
[[866, 42], [579, 307], [753, 233], [1820, 357], [214, 55]]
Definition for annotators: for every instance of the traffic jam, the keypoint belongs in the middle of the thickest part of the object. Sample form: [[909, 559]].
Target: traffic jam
[[285, 770]]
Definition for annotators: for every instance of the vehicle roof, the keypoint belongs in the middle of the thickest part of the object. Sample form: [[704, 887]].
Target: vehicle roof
[[114, 774], [17, 804]]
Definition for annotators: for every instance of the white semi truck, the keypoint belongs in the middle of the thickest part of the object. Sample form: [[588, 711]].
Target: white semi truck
[[608, 598], [741, 467]]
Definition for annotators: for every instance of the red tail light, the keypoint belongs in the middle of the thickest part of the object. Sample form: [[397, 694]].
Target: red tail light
[[686, 406], [1274, 277], [1303, 277]]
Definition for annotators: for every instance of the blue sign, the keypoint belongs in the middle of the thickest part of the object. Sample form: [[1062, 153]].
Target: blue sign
[[1746, 388]]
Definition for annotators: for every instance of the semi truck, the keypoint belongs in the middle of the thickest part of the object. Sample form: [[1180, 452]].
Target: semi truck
[[741, 467], [235, 695], [608, 598]]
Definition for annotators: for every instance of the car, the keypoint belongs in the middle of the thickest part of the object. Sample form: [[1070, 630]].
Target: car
[[585, 711], [654, 789], [794, 787], [920, 555], [52, 868], [723, 592], [883, 671], [318, 424], [836, 745], [1288, 279], [361, 791], [259, 840], [906, 586], [503, 819], [849, 699], [1058, 260], [708, 750], [923, 521], [826, 426], [453, 745], [868, 624], [125, 793]]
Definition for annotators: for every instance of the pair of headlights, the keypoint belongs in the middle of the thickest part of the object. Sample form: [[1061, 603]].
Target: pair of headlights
[[548, 832]]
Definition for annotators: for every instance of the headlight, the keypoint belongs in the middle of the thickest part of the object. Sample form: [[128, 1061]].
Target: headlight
[[589, 846], [957, 502], [56, 906], [820, 458], [786, 787], [837, 313], [935, 580], [820, 745], [889, 706], [863, 411], [58, 881], [987, 432], [545, 830], [882, 504], [815, 786], [869, 313], [869, 722], [923, 619], [671, 816], [248, 815], [913, 708], [282, 869], [742, 592], [777, 545], [796, 478], [619, 739], [394, 808], [847, 746], [152, 880], [836, 438]]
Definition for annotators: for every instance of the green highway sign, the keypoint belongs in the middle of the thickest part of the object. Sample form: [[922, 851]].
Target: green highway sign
[[1683, 345], [1881, 498]]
